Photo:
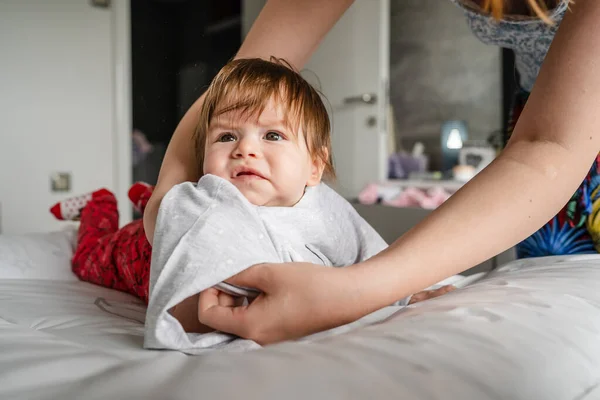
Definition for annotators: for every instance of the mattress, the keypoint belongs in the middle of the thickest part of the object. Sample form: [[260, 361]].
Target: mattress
[[529, 330]]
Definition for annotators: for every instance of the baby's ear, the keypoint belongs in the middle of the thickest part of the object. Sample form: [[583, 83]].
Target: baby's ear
[[318, 166]]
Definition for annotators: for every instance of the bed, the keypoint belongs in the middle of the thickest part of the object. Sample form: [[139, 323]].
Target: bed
[[528, 330]]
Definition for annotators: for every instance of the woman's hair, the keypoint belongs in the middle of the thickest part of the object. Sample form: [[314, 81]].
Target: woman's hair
[[247, 85], [539, 8]]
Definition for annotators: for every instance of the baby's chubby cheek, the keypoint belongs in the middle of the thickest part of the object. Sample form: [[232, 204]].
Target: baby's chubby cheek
[[211, 169]]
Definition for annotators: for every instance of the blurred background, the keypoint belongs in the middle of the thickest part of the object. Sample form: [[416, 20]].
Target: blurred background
[[92, 91]]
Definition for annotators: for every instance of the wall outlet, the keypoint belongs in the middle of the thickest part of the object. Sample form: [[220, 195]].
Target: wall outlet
[[60, 182], [101, 3]]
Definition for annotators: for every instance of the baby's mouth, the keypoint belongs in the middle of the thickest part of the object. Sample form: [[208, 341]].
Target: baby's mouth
[[247, 173]]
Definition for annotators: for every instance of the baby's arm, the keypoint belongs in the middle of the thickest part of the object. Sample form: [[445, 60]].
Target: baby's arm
[[186, 313]]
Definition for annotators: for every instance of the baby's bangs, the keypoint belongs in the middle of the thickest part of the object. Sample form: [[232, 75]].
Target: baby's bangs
[[250, 98]]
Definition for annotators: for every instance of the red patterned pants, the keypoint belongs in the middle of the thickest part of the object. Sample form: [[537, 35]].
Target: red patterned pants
[[112, 257]]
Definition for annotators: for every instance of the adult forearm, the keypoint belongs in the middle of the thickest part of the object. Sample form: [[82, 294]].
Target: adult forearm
[[179, 165], [501, 206], [291, 29], [553, 147]]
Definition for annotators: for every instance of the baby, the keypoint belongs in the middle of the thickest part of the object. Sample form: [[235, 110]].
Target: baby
[[263, 149], [264, 146]]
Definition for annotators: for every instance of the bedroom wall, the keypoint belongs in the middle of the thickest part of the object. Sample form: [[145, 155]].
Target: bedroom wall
[[64, 106]]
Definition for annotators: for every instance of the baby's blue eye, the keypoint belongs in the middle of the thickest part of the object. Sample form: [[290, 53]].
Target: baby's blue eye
[[274, 136], [227, 137]]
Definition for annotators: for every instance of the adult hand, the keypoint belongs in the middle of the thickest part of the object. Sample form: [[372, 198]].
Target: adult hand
[[297, 299]]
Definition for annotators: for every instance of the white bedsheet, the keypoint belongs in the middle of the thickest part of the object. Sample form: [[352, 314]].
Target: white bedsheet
[[528, 331]]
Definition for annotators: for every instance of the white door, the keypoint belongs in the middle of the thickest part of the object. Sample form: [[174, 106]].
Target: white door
[[351, 67], [62, 85]]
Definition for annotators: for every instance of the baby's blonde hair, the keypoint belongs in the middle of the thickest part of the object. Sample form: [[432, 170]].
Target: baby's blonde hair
[[498, 8], [249, 84]]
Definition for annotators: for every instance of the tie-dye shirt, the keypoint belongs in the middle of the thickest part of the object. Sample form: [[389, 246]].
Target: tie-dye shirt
[[528, 37]]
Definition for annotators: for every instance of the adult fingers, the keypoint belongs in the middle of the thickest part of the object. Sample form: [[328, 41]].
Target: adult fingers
[[230, 319]]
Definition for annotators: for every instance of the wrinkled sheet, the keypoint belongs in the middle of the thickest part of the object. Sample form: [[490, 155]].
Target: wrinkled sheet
[[530, 330]]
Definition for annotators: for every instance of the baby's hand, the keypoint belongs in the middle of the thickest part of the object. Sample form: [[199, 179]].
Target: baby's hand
[[430, 294]]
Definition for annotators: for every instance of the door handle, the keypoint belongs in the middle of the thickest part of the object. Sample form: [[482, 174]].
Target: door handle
[[366, 98]]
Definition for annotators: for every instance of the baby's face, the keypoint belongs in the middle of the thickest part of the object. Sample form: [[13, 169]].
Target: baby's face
[[261, 156]]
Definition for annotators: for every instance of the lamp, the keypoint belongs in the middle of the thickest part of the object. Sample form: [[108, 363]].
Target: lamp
[[453, 137]]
